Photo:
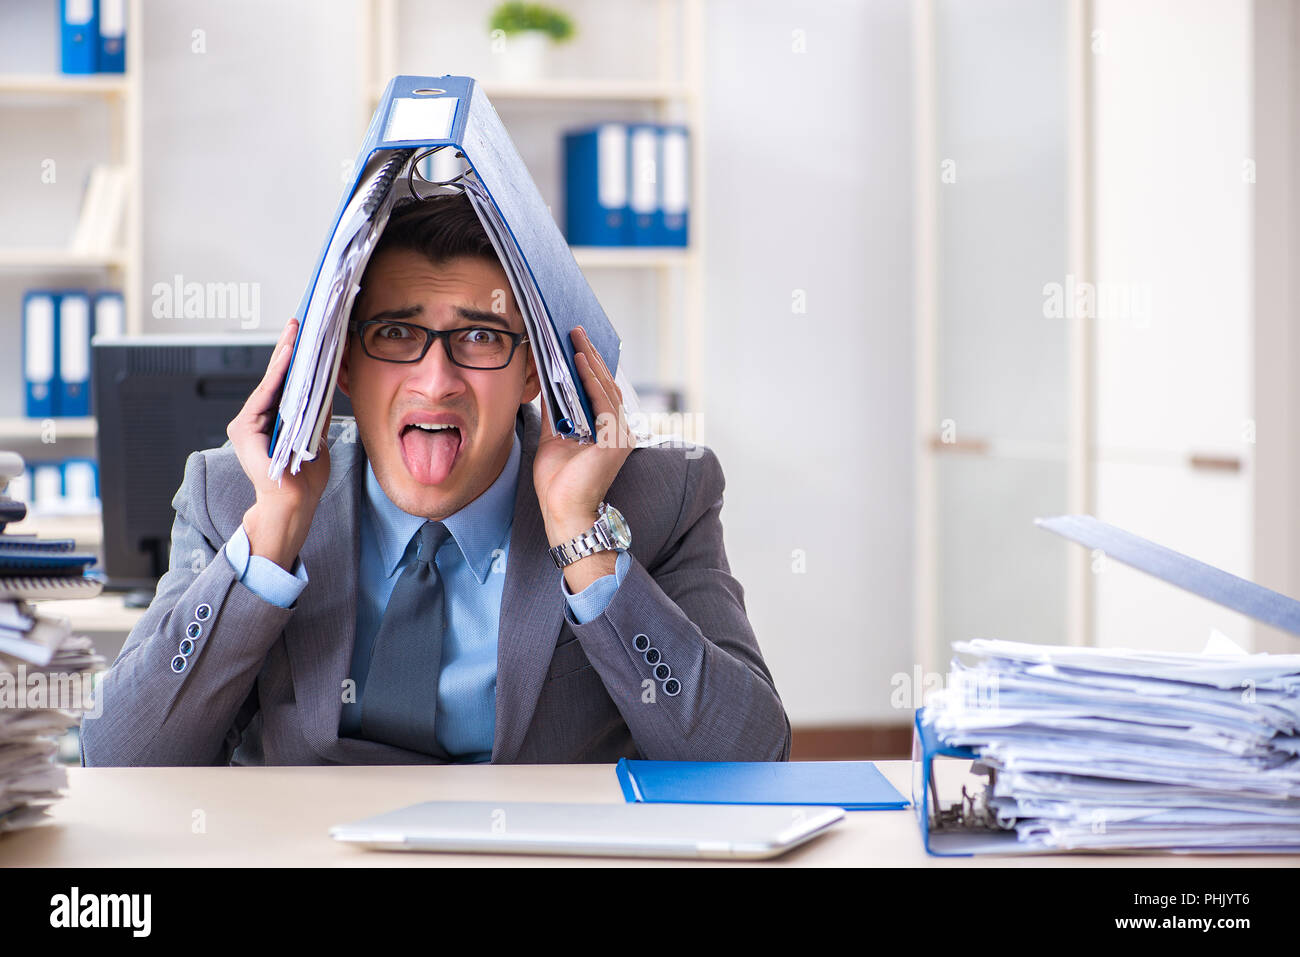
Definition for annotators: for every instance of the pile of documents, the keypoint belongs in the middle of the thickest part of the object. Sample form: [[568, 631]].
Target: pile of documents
[[46, 672], [419, 119], [1105, 749], [308, 392]]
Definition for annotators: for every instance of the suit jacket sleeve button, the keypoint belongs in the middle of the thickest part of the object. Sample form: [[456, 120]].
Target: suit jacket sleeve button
[[672, 686], [640, 642], [203, 612], [178, 664], [193, 629]]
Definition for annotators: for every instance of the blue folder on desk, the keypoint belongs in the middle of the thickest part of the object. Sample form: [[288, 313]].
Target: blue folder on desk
[[852, 785]]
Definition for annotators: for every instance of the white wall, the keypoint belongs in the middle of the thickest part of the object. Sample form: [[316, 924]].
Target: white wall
[[810, 188], [1277, 339], [1001, 363], [1174, 215], [245, 144]]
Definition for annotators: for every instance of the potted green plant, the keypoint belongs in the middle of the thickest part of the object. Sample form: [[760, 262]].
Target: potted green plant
[[524, 33]]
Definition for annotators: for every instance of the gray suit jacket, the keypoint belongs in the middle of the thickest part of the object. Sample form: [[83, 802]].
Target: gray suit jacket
[[264, 685]]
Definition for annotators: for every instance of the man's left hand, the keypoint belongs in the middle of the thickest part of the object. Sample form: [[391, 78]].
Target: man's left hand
[[572, 478]]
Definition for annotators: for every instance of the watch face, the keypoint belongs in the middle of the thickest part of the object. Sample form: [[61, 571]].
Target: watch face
[[617, 525]]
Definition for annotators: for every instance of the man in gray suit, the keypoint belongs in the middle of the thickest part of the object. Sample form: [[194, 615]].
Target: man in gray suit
[[448, 581]]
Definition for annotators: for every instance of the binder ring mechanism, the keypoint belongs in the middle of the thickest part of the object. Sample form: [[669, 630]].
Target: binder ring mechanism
[[413, 171]]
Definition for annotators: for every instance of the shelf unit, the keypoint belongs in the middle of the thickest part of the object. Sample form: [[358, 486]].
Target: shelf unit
[[121, 268], [121, 93], [672, 97], [105, 84], [71, 427]]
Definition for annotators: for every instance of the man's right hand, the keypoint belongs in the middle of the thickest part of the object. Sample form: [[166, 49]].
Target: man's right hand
[[279, 520]]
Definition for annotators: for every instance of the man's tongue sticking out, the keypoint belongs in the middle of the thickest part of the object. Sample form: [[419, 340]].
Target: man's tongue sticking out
[[429, 456]]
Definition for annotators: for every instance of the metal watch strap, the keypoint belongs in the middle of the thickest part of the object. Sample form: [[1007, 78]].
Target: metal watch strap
[[588, 543]]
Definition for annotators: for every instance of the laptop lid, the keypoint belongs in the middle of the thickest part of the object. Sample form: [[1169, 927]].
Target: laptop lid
[[635, 830]]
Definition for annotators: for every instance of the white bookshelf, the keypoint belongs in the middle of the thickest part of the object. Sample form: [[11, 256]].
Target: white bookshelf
[[632, 257], [674, 94], [60, 84], [54, 258], [120, 94], [121, 268], [70, 427]]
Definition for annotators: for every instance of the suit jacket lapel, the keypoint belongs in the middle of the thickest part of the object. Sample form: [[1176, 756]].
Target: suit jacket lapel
[[532, 609]]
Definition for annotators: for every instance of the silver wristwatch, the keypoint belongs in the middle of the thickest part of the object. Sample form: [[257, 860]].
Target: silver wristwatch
[[610, 531]]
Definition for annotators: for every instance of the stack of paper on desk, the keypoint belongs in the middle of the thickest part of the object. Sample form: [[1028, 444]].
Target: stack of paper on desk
[[1100, 748], [45, 684], [416, 117], [45, 672]]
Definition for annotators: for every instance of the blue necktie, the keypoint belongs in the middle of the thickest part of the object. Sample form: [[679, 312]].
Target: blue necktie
[[400, 700]]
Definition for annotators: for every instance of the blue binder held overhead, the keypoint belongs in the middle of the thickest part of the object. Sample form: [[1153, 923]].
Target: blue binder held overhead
[[416, 117]]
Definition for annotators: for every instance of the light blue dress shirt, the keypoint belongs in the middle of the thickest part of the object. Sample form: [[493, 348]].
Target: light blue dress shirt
[[472, 564]]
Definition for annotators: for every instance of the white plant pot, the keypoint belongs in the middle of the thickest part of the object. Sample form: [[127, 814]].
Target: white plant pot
[[526, 56]]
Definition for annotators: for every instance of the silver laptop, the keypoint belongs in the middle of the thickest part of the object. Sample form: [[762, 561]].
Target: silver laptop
[[714, 831]]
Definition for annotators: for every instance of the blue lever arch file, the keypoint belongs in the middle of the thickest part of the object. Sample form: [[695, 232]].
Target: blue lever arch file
[[72, 397], [79, 35], [596, 186], [852, 785], [40, 353], [112, 36]]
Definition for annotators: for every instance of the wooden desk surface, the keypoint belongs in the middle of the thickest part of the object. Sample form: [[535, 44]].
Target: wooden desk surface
[[127, 817]]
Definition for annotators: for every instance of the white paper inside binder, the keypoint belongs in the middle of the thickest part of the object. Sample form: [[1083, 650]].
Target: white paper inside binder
[[309, 385], [558, 391]]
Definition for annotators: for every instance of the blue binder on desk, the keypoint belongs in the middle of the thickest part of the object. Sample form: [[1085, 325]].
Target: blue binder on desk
[[948, 826], [852, 785], [415, 117]]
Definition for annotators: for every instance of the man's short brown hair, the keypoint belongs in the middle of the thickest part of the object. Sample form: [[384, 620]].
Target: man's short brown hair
[[440, 228]]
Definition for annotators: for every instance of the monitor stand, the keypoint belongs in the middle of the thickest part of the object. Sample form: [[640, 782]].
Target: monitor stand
[[134, 595], [138, 598]]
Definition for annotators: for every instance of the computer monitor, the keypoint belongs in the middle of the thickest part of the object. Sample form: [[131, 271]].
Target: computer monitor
[[157, 399]]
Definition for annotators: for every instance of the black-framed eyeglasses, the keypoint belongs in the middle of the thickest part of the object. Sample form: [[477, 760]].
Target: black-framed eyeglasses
[[470, 347]]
